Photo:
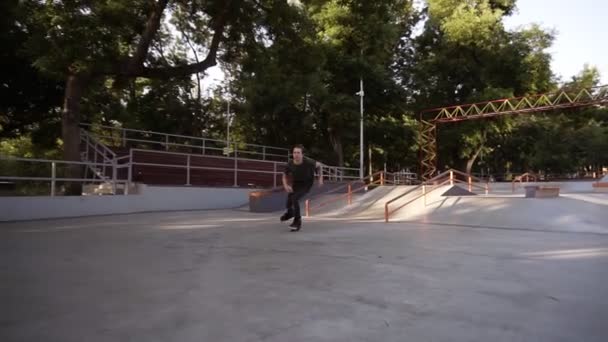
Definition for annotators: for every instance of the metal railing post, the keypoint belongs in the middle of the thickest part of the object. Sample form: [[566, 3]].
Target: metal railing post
[[95, 151], [236, 166], [263, 152], [113, 176], [307, 208], [321, 172], [203, 146], [130, 170], [53, 176], [451, 177], [470, 184], [87, 146], [188, 170], [166, 142], [386, 214], [381, 178], [424, 193], [350, 194], [274, 175]]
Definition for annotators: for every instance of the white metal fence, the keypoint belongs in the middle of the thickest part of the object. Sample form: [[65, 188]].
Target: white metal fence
[[100, 164], [46, 170], [55, 171]]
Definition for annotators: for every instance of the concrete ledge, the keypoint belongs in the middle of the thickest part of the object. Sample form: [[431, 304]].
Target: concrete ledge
[[547, 191], [149, 198], [542, 191], [600, 187]]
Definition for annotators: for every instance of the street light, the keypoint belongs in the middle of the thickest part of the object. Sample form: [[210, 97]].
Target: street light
[[361, 94]]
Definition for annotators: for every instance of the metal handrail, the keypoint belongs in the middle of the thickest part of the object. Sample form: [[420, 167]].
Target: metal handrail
[[430, 182], [56, 161], [121, 129], [380, 181], [53, 179], [98, 143], [387, 213], [519, 178], [106, 153]]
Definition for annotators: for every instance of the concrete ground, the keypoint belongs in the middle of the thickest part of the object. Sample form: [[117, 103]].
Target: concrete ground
[[237, 276]]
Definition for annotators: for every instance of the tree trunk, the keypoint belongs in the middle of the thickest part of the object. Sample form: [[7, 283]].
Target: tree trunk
[[70, 116], [471, 160]]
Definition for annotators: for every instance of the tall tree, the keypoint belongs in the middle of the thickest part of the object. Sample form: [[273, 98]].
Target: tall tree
[[84, 42], [29, 101]]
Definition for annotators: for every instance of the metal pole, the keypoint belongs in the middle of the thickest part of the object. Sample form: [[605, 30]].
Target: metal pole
[[350, 194], [228, 125], [236, 168], [188, 171], [113, 176], [361, 95], [87, 147], [53, 175], [130, 175], [166, 142], [274, 175]]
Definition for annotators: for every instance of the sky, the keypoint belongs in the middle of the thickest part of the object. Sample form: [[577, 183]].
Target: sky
[[581, 27]]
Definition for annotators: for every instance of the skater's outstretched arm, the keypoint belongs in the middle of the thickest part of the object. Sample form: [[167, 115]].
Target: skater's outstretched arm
[[286, 185]]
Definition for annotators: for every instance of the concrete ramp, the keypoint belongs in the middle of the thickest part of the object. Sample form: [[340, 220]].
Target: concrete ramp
[[568, 213], [370, 206], [458, 191], [370, 202], [572, 212]]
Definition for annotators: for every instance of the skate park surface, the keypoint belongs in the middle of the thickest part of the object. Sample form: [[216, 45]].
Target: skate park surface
[[496, 267]]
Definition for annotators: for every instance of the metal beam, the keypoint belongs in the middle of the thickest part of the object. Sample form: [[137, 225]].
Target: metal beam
[[519, 105]]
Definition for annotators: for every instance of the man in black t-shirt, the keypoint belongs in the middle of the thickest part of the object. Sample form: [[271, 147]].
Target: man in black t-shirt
[[301, 170]]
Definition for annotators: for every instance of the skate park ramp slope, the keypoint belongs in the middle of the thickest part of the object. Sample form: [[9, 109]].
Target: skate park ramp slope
[[369, 205], [458, 191], [571, 212], [567, 213]]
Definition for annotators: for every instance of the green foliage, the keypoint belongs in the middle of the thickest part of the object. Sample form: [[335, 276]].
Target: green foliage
[[293, 68]]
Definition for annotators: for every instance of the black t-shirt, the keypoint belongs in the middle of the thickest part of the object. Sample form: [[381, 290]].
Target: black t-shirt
[[303, 174]]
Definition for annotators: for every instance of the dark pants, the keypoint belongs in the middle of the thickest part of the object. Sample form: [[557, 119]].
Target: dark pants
[[293, 200]]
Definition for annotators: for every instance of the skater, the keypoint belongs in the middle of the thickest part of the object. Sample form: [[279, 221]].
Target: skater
[[301, 170]]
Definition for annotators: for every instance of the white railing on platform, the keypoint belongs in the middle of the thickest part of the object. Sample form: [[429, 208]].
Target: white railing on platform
[[126, 162], [126, 137], [332, 173], [54, 178]]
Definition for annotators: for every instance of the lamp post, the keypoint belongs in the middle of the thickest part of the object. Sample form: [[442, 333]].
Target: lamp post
[[361, 94]]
